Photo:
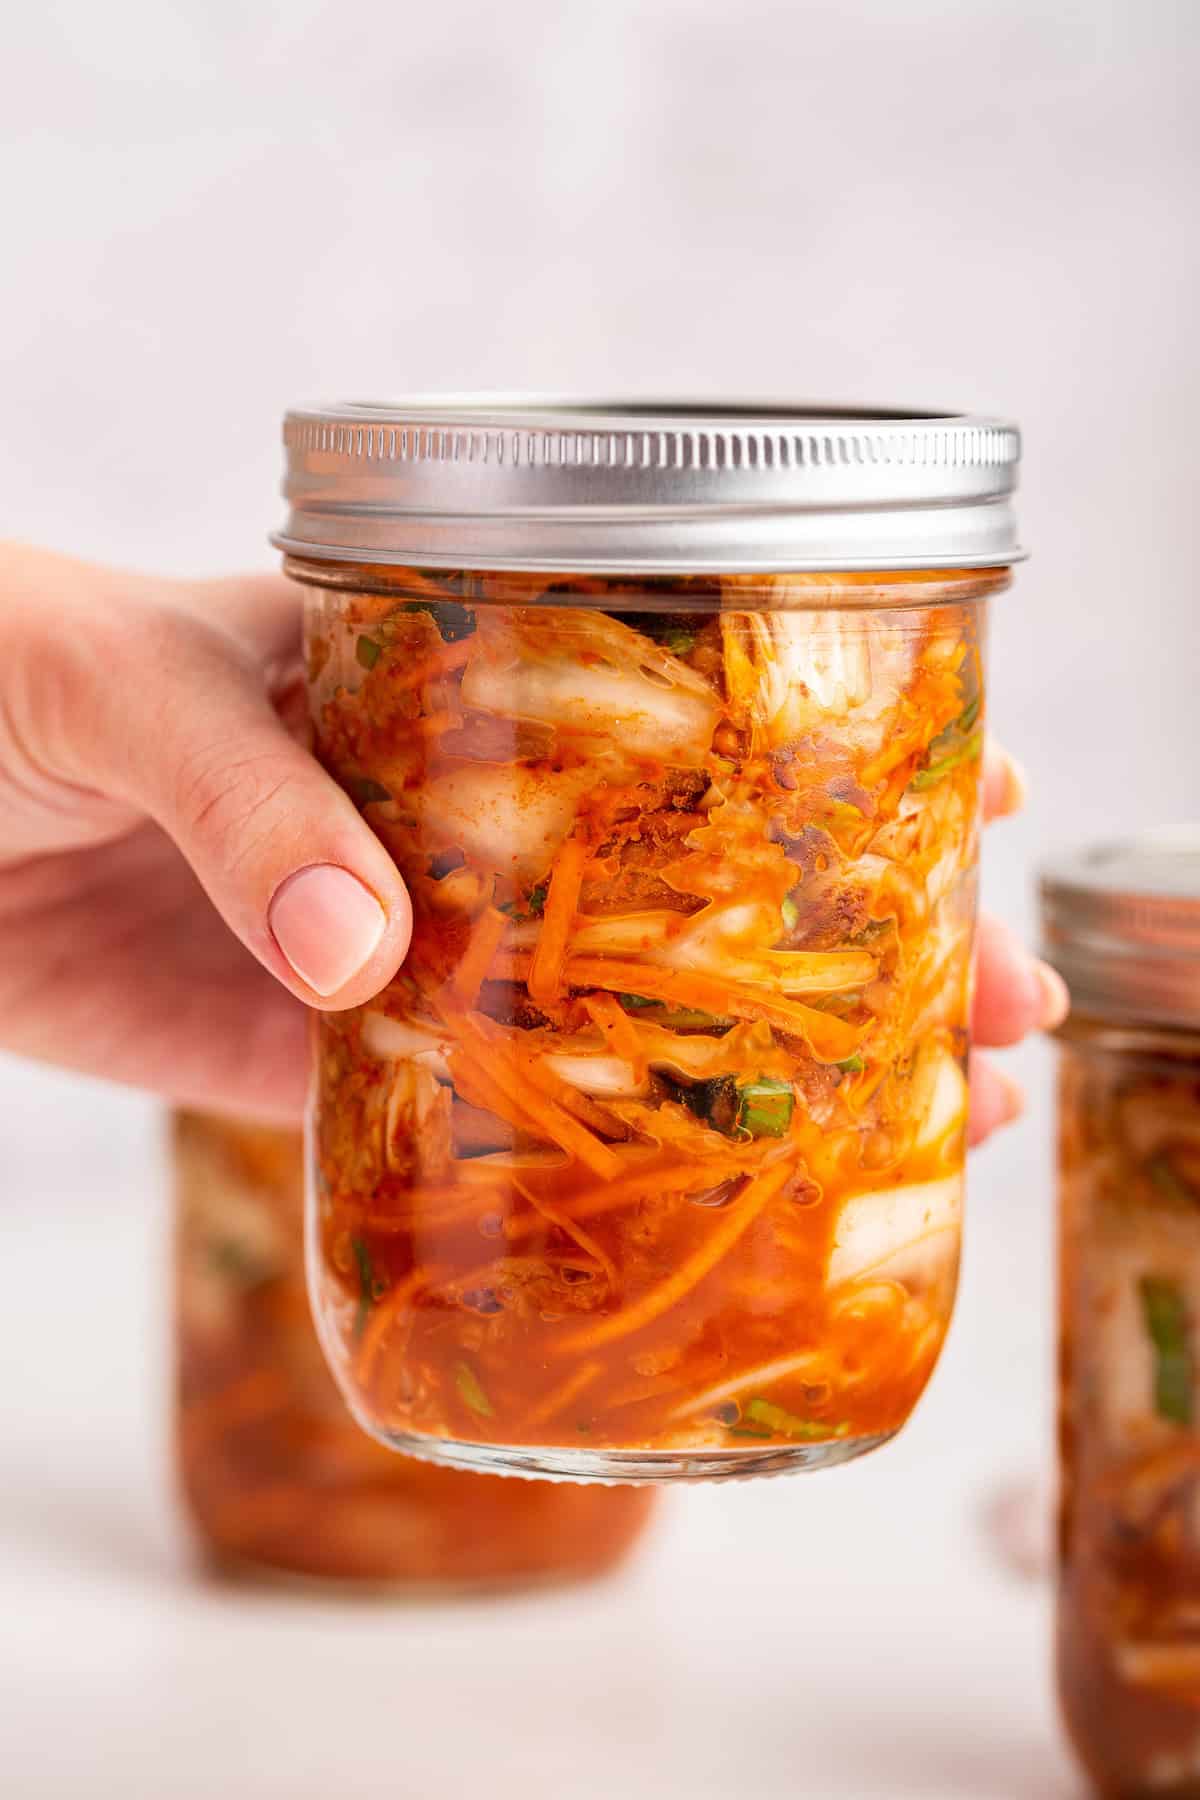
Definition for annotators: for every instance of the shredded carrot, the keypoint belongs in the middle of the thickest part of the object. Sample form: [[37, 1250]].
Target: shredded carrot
[[489, 1173], [620, 1032], [476, 1086], [439, 662], [678, 1133], [511, 965], [560, 1397], [553, 1121], [652, 1387], [861, 1089], [465, 1204], [520, 1104], [830, 1039], [655, 1180], [813, 1365], [548, 1117], [585, 1109], [484, 941], [529, 1058], [652, 1185], [383, 1316], [545, 971], [898, 749], [480, 1275], [670, 1292], [423, 964], [567, 1224]]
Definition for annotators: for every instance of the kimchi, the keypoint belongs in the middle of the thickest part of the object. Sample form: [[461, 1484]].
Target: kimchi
[[275, 1475], [1129, 1600], [650, 1159]]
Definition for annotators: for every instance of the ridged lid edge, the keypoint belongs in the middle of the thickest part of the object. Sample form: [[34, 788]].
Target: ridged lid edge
[[672, 486], [1121, 923]]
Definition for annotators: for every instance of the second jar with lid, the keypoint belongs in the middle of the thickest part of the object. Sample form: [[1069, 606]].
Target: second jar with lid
[[1123, 925], [648, 1164]]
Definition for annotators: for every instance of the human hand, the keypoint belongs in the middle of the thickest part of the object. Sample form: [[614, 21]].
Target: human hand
[[176, 872], [1015, 994]]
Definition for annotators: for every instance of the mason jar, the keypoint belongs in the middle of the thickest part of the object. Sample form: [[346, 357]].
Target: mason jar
[[274, 1474], [649, 1162], [1122, 924]]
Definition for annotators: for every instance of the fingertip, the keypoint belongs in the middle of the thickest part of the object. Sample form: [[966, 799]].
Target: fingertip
[[996, 1100], [1013, 1096], [1054, 996], [1015, 993], [341, 940], [1009, 999], [1005, 783], [390, 952], [1016, 785]]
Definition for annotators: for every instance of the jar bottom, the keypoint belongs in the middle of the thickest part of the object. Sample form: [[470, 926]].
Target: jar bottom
[[227, 1568], [636, 1468]]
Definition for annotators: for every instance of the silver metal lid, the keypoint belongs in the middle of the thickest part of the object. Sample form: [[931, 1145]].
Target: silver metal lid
[[627, 487], [1121, 923]]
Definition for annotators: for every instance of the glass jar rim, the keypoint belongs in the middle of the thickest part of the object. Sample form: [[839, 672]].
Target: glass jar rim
[[633, 486], [1121, 923]]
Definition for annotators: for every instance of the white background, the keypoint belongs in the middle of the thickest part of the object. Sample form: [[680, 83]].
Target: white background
[[212, 210]]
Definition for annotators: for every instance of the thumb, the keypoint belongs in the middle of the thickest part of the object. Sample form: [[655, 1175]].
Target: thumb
[[167, 711]]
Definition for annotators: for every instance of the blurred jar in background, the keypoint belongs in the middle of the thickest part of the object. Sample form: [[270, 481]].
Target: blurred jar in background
[[1122, 923], [274, 1472]]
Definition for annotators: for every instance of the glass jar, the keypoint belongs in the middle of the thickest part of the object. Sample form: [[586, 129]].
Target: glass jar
[[649, 1162], [1123, 926], [273, 1472]]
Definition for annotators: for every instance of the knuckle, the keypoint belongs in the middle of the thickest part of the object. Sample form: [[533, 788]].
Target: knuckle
[[48, 708], [232, 798]]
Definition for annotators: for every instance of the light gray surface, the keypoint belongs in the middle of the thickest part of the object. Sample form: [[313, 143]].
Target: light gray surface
[[218, 210], [850, 1636]]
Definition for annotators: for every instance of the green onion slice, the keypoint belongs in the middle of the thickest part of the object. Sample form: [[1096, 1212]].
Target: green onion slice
[[470, 1389], [777, 1418], [766, 1107], [1165, 1316]]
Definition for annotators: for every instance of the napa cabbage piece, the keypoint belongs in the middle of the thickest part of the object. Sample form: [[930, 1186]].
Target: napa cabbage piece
[[732, 942], [735, 942], [1133, 1258], [395, 1040], [591, 677], [905, 1233], [944, 1093], [693, 1056], [794, 672], [596, 1072], [813, 1366], [484, 1170], [511, 818]]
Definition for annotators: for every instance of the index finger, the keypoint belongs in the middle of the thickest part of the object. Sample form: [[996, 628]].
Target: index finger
[[262, 612]]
